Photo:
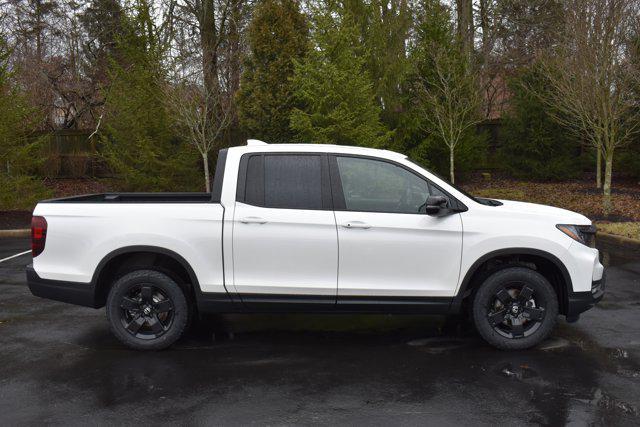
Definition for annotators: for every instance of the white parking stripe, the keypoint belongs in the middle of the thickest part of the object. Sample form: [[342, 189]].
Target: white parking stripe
[[15, 256]]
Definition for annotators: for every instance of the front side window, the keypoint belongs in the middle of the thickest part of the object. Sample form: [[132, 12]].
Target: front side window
[[284, 181], [372, 185]]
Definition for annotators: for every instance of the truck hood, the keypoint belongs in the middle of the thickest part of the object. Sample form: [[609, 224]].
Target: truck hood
[[560, 216]]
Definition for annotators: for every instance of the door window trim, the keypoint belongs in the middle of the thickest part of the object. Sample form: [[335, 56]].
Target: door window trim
[[339, 203], [325, 185]]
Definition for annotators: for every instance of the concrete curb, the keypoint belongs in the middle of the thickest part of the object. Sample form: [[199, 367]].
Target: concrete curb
[[618, 240], [24, 232]]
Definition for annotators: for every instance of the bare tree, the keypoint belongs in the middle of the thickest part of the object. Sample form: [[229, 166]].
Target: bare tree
[[450, 99], [209, 44], [203, 115], [592, 80]]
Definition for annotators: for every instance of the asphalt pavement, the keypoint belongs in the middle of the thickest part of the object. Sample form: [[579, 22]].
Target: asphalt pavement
[[59, 364]]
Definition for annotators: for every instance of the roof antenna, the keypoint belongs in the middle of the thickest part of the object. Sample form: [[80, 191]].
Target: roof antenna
[[251, 142]]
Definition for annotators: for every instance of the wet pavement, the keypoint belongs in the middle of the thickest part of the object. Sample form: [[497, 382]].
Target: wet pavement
[[59, 364]]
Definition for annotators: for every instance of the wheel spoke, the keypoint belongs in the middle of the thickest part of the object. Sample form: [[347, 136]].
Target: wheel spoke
[[525, 294], [163, 306], [146, 293], [497, 318], [504, 296], [129, 304], [155, 324], [534, 313], [517, 329], [135, 325]]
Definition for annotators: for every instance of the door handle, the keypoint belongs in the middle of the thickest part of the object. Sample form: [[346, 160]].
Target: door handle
[[253, 220], [356, 224]]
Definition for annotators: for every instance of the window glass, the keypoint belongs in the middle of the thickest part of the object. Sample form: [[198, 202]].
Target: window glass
[[254, 186], [287, 181], [376, 186]]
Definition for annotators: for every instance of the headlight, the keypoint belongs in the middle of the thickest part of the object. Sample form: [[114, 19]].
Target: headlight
[[580, 233]]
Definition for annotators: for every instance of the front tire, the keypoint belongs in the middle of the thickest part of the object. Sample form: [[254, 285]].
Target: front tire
[[515, 308], [147, 310]]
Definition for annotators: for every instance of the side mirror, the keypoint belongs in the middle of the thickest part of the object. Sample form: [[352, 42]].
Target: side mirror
[[435, 205]]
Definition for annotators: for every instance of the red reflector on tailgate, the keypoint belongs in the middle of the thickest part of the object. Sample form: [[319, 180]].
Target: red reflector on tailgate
[[38, 234]]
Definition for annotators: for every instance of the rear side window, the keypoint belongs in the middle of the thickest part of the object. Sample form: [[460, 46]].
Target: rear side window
[[286, 181]]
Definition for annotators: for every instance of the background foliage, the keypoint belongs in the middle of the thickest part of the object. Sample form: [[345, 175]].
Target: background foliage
[[315, 71]]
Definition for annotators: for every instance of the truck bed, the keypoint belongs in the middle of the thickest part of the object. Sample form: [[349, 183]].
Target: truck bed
[[136, 198]]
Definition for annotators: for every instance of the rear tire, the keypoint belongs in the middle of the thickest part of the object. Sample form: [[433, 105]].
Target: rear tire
[[147, 310], [515, 308]]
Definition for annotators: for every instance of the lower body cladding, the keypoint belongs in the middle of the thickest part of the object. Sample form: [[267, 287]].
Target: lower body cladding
[[85, 294], [580, 302], [147, 309]]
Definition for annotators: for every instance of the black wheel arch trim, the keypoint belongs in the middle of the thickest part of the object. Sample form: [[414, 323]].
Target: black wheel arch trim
[[456, 303], [202, 298]]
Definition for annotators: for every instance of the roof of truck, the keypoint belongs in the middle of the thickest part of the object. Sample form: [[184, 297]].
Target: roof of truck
[[254, 145]]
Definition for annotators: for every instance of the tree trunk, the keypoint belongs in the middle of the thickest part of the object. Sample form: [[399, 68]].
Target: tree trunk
[[451, 167], [484, 24], [608, 168], [598, 168], [465, 25], [209, 46], [205, 161]]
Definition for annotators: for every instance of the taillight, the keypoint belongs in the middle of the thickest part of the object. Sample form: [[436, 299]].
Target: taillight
[[38, 234]]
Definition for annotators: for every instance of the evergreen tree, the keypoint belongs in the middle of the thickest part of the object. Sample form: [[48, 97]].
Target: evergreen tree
[[436, 54], [20, 155], [534, 145], [384, 27], [334, 88], [137, 135], [277, 36]]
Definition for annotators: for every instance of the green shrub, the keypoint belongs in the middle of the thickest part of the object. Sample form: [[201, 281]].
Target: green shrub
[[627, 161], [21, 192], [470, 155], [534, 145]]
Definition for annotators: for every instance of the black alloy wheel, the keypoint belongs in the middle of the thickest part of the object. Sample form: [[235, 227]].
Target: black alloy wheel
[[514, 311], [515, 308], [146, 312]]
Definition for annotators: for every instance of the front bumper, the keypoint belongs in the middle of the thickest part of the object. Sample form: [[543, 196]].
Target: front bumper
[[70, 292], [580, 302]]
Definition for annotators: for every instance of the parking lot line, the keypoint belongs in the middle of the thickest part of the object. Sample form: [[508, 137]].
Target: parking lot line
[[15, 256]]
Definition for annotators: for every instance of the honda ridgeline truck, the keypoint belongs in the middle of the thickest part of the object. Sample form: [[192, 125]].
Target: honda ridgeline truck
[[315, 228]]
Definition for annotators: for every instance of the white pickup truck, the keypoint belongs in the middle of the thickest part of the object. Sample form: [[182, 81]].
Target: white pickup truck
[[315, 228]]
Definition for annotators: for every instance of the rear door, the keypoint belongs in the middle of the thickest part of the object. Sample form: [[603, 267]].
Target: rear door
[[285, 246], [389, 248]]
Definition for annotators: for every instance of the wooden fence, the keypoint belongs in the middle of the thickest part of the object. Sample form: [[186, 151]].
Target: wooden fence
[[70, 154]]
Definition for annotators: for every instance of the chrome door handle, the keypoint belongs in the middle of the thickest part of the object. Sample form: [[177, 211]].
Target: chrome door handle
[[356, 224], [253, 220]]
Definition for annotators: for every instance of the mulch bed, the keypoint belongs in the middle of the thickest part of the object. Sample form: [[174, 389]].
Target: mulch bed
[[74, 187], [11, 220], [578, 196]]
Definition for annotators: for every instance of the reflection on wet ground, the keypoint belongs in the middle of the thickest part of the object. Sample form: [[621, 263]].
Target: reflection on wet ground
[[61, 364]]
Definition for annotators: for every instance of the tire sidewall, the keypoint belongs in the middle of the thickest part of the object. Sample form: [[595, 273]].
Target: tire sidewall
[[486, 293], [180, 309]]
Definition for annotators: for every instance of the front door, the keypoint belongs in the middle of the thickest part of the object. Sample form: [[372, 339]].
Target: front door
[[285, 247], [389, 249]]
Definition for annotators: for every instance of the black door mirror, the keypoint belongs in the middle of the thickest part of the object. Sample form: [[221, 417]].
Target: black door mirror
[[435, 205]]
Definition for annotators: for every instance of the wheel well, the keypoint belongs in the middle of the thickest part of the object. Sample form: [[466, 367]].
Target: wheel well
[[124, 263], [548, 268]]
